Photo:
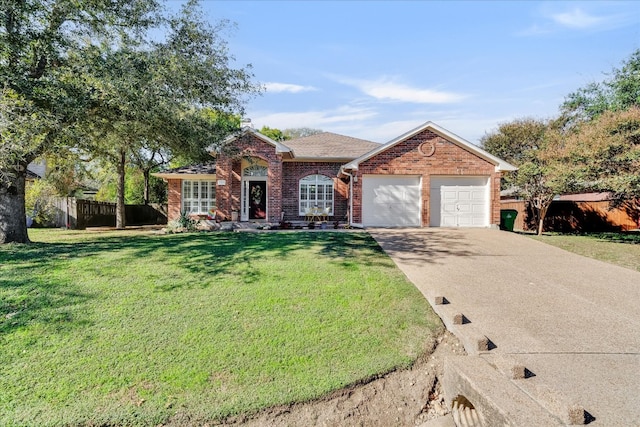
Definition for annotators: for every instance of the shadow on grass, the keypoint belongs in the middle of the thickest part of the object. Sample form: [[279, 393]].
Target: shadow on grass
[[632, 238], [31, 294]]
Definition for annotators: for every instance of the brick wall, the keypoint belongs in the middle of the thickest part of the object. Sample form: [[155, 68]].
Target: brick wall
[[228, 196], [408, 158], [174, 198], [294, 171]]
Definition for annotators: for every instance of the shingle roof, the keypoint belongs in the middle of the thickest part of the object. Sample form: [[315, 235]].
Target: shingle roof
[[330, 146], [203, 170], [200, 169]]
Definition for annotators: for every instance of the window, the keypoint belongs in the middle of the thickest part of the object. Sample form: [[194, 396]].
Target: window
[[316, 191], [198, 197]]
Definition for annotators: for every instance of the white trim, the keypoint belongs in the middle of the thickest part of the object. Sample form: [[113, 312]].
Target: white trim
[[211, 191], [244, 190], [318, 180], [501, 165]]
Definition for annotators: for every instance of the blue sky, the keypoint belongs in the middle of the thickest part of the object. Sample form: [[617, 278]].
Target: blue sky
[[376, 69]]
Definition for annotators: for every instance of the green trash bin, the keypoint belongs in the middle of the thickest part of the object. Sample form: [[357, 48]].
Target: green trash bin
[[508, 219]]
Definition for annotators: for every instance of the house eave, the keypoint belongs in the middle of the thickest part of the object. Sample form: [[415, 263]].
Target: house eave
[[320, 159], [189, 176]]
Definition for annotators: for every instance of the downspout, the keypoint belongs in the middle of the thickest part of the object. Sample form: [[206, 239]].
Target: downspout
[[351, 224]]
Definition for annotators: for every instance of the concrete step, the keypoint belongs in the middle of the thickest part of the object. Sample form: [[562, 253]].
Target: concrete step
[[495, 398], [473, 340]]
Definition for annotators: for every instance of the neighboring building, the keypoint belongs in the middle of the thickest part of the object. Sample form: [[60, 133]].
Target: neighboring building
[[426, 177], [36, 170]]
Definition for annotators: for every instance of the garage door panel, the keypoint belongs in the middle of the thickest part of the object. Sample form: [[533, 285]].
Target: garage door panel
[[391, 201], [459, 201]]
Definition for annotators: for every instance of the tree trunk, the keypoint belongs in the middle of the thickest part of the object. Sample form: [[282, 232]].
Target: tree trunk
[[120, 210], [542, 214], [13, 220], [146, 173]]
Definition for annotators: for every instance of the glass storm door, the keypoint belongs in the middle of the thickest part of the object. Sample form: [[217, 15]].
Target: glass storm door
[[254, 193]]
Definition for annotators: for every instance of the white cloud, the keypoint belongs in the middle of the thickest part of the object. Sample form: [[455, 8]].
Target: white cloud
[[386, 89], [577, 19], [274, 87], [313, 119]]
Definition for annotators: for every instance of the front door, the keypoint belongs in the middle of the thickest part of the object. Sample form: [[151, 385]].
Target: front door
[[254, 200]]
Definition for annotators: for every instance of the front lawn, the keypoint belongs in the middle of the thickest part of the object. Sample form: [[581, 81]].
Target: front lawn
[[126, 328], [622, 249]]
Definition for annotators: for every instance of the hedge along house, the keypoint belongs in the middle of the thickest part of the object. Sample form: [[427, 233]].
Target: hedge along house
[[426, 177]]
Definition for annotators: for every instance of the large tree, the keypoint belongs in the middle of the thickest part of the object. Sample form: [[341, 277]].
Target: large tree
[[619, 92], [41, 98], [105, 85], [535, 146], [607, 150]]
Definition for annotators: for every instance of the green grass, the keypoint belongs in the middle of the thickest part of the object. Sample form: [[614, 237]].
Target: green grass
[[125, 328], [622, 249]]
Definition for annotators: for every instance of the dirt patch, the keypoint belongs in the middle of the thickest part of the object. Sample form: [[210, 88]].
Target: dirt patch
[[401, 398]]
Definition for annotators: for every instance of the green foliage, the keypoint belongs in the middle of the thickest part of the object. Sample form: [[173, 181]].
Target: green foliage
[[300, 132], [608, 150], [284, 135], [535, 147], [95, 78], [273, 133], [125, 328], [134, 187], [39, 202], [619, 92], [184, 223]]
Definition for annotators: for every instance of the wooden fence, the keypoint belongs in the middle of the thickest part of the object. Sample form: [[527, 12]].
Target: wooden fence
[[576, 216], [75, 213]]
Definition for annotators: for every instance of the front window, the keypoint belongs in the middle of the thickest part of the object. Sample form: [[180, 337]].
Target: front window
[[198, 197], [316, 191]]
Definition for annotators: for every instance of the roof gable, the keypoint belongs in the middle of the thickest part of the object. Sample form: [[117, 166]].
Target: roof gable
[[280, 148], [500, 164]]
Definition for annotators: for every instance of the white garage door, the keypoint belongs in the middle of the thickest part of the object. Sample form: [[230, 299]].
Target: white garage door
[[391, 201], [459, 202]]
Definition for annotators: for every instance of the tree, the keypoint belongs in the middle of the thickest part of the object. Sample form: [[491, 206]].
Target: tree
[[273, 133], [536, 147], [158, 95], [515, 142], [147, 159], [618, 93], [608, 150], [42, 98], [88, 76], [300, 132]]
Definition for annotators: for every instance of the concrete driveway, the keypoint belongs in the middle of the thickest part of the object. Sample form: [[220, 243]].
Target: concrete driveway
[[561, 329]]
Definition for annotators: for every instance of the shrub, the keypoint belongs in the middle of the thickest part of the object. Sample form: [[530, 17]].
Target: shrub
[[183, 224]]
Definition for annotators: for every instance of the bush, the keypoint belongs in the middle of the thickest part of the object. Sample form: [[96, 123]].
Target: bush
[[39, 203], [183, 224]]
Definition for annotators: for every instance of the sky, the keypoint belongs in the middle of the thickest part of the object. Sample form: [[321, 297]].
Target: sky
[[377, 69]]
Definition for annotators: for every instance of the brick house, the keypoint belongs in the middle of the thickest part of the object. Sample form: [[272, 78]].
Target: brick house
[[425, 177]]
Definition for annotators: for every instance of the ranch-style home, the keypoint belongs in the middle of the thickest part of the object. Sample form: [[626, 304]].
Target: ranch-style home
[[427, 177]]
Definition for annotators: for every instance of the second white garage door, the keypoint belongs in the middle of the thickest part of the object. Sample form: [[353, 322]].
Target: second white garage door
[[459, 202], [391, 201]]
